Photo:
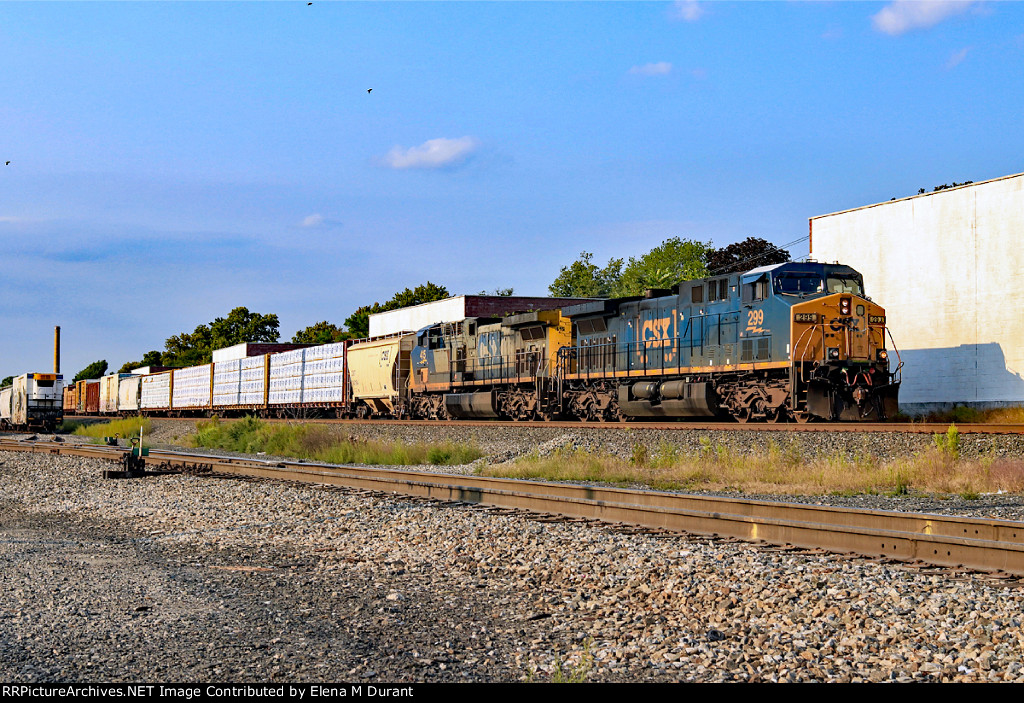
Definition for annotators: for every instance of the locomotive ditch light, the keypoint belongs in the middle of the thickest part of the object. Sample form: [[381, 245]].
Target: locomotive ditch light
[[883, 355], [833, 352]]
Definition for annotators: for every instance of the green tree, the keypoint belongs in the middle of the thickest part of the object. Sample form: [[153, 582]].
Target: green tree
[[94, 370], [192, 349], [672, 261], [8, 380], [358, 323], [500, 292], [743, 256], [187, 349], [243, 326], [584, 279], [151, 358], [321, 333], [426, 293]]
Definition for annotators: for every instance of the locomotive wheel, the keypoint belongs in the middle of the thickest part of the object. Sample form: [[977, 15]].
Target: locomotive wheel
[[803, 418]]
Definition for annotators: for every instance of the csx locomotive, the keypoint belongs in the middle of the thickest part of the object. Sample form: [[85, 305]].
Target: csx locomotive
[[795, 341]]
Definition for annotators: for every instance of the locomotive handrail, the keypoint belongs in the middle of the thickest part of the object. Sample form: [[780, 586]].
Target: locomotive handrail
[[898, 372], [803, 377]]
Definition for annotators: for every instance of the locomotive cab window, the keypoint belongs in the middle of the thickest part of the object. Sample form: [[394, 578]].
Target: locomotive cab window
[[797, 283], [697, 294], [756, 289], [718, 290], [839, 283]]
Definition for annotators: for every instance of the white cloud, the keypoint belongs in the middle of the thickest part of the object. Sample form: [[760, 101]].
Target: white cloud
[[832, 33], [688, 10], [433, 153], [314, 220], [661, 68], [957, 58], [902, 16]]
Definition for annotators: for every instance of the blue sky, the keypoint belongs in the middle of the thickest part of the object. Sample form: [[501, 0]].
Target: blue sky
[[171, 161]]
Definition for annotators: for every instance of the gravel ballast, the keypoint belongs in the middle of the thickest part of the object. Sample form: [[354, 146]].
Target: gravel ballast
[[181, 578]]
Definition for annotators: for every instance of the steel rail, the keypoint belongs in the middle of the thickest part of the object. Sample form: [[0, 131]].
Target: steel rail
[[949, 541], [906, 427]]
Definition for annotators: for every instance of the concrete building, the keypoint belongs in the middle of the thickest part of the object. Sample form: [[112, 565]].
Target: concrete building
[[948, 267]]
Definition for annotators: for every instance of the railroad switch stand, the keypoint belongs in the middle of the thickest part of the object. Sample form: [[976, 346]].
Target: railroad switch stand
[[133, 461]]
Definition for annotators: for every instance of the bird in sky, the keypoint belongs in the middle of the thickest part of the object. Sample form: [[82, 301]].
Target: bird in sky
[[7, 164], [368, 90]]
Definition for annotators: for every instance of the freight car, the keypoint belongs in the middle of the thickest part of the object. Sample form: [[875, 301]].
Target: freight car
[[794, 341], [34, 401]]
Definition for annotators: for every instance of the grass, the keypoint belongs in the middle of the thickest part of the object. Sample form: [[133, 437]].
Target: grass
[[965, 415], [579, 673], [127, 427], [783, 469], [316, 443]]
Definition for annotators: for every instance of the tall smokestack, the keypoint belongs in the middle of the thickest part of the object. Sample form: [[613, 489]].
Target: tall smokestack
[[56, 349]]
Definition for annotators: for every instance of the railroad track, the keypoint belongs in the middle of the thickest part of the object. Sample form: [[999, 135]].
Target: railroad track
[[958, 542], [906, 427]]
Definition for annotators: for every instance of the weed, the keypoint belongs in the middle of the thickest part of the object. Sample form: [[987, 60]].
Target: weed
[[578, 673], [1013, 415], [126, 428], [68, 426], [949, 443], [315, 442], [776, 471], [641, 455]]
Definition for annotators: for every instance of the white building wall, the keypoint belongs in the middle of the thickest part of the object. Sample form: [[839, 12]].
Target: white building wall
[[948, 267]]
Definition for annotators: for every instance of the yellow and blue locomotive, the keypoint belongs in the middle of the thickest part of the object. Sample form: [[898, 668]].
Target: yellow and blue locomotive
[[790, 341], [794, 341]]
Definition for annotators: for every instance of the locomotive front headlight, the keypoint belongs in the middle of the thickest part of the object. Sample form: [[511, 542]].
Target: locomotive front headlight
[[844, 306]]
